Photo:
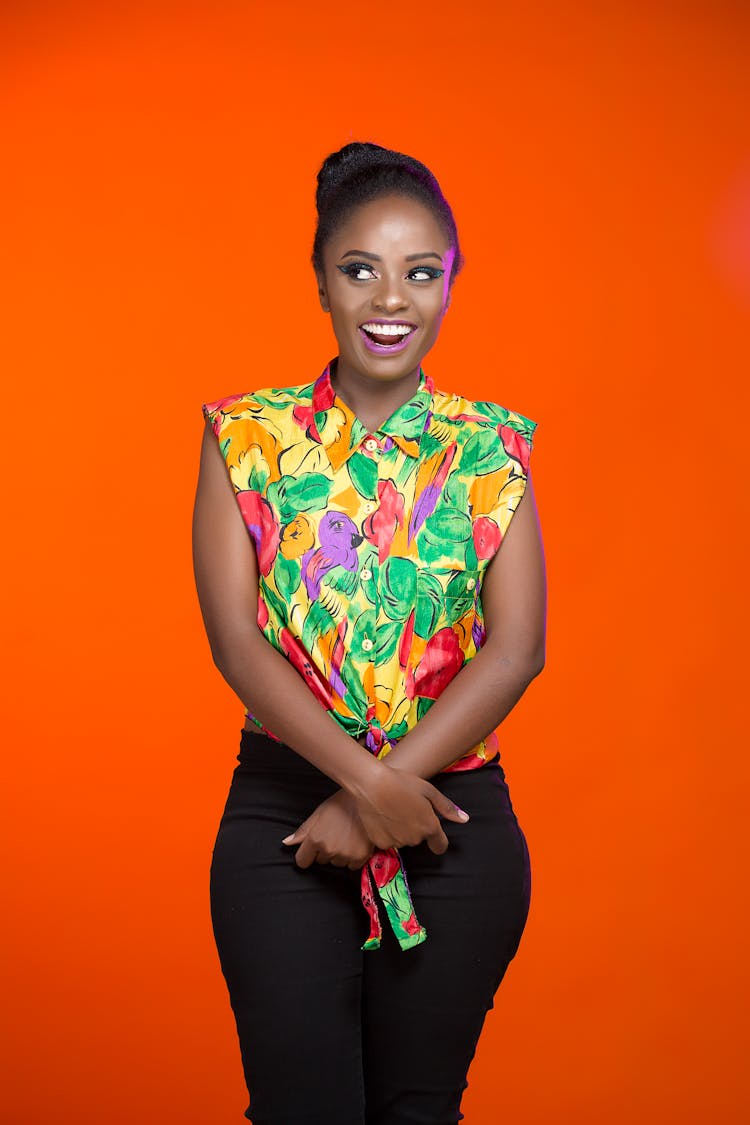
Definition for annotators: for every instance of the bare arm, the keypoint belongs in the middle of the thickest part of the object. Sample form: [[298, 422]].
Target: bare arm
[[394, 810], [226, 576], [514, 597]]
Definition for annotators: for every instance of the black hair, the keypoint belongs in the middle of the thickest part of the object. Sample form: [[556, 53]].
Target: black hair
[[360, 172]]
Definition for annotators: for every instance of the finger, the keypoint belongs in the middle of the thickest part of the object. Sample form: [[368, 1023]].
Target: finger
[[445, 807], [358, 864], [298, 834], [306, 854], [437, 841]]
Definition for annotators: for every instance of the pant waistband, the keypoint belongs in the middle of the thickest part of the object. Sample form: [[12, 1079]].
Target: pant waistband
[[266, 753]]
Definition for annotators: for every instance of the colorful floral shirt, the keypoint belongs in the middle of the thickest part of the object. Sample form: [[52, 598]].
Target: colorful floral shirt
[[371, 551]]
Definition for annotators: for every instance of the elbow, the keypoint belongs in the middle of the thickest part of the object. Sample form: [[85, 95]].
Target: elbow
[[530, 667], [229, 652], [537, 662], [533, 660], [525, 663]]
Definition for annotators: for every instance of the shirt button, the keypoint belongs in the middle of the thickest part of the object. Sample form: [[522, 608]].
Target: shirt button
[[366, 573], [369, 506], [371, 444], [471, 584], [367, 644]]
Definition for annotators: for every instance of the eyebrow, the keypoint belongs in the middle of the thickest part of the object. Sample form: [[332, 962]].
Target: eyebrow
[[375, 258]]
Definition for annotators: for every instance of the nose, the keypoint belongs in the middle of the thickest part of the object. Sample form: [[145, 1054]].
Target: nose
[[389, 296]]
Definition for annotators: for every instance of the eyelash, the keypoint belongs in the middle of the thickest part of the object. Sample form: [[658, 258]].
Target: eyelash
[[353, 267]]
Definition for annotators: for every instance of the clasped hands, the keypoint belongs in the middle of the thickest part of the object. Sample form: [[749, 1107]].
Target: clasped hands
[[399, 808]]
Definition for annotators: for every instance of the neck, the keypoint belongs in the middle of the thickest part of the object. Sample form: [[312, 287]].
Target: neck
[[372, 400]]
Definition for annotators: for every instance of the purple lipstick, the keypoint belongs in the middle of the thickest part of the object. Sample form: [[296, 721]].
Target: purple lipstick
[[386, 337]]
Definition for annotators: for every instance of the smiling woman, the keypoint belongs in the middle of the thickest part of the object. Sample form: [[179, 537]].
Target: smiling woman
[[370, 571], [386, 303]]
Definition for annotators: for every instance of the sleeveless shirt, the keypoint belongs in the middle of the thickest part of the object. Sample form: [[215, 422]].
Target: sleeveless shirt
[[371, 550]]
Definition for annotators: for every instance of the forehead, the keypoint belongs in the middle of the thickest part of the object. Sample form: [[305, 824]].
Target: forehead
[[395, 222]]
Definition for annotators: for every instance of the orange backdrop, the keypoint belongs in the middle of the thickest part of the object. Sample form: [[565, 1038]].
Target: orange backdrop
[[159, 164]]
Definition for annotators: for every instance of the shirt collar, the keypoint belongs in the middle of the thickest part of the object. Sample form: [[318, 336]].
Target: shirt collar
[[340, 432]]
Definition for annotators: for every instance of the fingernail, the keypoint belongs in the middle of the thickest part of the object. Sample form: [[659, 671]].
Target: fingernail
[[287, 838], [462, 814]]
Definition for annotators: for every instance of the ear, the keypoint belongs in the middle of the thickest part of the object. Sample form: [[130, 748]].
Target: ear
[[322, 292]]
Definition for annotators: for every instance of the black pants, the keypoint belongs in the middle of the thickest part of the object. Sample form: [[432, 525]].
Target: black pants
[[331, 1034]]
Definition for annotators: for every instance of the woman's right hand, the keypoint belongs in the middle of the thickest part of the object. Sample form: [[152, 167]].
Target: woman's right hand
[[399, 808]]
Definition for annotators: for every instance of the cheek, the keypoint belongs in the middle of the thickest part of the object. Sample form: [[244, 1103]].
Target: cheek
[[433, 314], [343, 303]]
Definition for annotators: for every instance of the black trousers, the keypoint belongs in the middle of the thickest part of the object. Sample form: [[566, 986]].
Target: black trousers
[[331, 1034]]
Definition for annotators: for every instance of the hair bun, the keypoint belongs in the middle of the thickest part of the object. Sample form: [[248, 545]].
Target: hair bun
[[346, 164], [362, 171]]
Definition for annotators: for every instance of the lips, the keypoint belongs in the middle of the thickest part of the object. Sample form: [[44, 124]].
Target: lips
[[386, 337], [387, 333]]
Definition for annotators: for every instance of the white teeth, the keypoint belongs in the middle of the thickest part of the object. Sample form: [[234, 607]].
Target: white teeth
[[387, 329]]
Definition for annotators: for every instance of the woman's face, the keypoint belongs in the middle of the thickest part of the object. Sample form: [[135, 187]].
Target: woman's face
[[386, 286]]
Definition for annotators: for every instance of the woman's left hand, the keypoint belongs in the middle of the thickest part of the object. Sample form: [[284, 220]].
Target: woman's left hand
[[333, 833]]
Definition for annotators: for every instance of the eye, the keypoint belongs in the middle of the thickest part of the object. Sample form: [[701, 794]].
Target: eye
[[429, 273], [355, 270]]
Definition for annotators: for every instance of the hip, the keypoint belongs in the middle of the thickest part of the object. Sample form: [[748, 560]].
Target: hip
[[272, 778]]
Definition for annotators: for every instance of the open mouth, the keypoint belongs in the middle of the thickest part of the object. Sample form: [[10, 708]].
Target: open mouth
[[387, 334]]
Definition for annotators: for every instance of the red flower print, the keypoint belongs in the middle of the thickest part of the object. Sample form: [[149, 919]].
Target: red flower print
[[411, 925], [304, 418], [384, 865], [404, 645], [487, 536], [380, 527], [441, 660], [262, 612], [301, 660], [261, 523], [515, 445], [223, 404]]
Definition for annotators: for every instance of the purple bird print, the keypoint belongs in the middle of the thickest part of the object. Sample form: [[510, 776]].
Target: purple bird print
[[339, 538]]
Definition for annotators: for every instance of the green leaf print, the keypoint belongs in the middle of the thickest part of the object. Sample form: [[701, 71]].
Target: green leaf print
[[363, 474], [423, 706], [362, 634], [399, 730], [456, 493], [446, 534], [398, 586], [388, 637], [292, 495], [458, 598], [286, 572], [492, 411], [430, 445], [256, 482], [483, 453], [396, 898], [275, 604], [318, 621], [356, 699], [272, 403], [429, 604]]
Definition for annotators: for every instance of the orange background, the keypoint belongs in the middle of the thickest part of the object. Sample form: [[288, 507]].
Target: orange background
[[159, 165]]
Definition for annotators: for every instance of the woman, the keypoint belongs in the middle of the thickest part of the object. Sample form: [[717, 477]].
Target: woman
[[359, 540]]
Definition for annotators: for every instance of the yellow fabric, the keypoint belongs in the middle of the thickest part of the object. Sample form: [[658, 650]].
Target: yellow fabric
[[372, 546]]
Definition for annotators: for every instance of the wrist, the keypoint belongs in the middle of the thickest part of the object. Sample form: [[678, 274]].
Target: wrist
[[360, 774]]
